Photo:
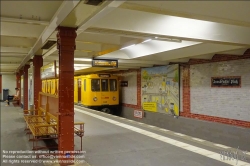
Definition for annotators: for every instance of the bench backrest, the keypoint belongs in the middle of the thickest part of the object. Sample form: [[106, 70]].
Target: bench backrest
[[48, 106]]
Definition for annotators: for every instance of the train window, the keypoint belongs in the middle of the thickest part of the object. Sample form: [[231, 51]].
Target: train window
[[95, 85], [105, 85], [113, 85], [84, 84]]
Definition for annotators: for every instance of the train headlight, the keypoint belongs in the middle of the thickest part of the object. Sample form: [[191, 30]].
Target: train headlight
[[95, 98], [114, 98]]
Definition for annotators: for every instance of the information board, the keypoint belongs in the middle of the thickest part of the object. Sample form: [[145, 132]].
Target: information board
[[49, 71], [152, 106], [138, 114]]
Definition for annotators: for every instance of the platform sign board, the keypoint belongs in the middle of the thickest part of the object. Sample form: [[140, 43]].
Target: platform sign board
[[226, 82], [138, 114], [105, 63], [49, 71], [124, 83]]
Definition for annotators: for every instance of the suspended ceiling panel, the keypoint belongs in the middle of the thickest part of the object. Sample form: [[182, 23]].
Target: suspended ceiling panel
[[31, 10], [17, 41], [235, 12], [21, 30]]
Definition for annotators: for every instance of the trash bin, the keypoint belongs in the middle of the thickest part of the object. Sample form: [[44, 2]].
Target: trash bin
[[5, 94], [32, 108]]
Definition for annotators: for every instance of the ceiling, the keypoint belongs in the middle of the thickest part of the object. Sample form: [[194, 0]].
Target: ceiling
[[137, 33]]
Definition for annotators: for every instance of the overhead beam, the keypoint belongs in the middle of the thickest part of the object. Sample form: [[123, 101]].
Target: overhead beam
[[107, 8], [14, 50], [171, 26], [63, 11], [24, 21]]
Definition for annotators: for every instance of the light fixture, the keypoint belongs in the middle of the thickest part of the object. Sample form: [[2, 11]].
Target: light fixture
[[127, 47], [156, 37], [147, 40], [80, 68], [82, 59], [81, 65]]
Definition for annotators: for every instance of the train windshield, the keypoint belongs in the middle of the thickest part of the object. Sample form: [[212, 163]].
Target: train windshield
[[113, 85], [95, 85], [105, 85]]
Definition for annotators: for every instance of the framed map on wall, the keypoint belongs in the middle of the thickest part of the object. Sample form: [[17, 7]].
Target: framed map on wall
[[160, 89]]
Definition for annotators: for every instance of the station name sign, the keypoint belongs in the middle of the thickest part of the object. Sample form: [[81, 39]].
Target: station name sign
[[224, 82], [124, 83], [105, 63]]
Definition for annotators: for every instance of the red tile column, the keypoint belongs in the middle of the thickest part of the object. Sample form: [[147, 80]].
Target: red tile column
[[37, 63], [66, 45], [20, 74], [186, 90], [25, 87]]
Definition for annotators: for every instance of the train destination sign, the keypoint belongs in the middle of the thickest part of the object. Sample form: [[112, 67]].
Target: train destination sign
[[104, 63], [225, 82], [104, 75]]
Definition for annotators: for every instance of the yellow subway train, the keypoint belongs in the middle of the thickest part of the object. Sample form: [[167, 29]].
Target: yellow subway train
[[97, 91]]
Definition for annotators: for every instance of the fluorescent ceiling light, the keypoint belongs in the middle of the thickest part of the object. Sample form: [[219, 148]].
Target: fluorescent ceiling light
[[146, 40], [82, 59], [80, 68], [81, 65], [127, 47]]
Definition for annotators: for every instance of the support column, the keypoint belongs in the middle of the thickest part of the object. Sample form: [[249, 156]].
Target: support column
[[18, 80], [18, 85], [186, 90], [25, 87], [66, 45], [20, 74], [37, 63]]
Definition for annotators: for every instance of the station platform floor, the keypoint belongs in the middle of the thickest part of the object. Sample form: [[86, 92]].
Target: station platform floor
[[115, 141]]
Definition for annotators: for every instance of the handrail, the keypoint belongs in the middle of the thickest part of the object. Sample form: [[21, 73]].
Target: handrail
[[47, 125]]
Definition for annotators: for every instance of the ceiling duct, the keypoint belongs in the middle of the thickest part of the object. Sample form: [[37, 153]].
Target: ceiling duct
[[48, 44], [93, 2]]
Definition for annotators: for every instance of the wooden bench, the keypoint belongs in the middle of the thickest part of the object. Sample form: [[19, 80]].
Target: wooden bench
[[42, 124], [17, 100]]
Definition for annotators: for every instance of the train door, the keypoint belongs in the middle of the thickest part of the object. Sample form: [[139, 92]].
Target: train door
[[105, 95], [79, 90]]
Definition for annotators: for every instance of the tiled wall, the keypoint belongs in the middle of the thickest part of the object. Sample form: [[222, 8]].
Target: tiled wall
[[192, 109], [199, 100], [129, 93], [9, 82], [232, 103]]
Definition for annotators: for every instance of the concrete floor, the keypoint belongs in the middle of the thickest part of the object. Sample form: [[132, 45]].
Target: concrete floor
[[13, 137], [107, 144]]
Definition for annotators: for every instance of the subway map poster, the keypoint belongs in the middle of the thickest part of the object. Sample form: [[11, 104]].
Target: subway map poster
[[160, 89]]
